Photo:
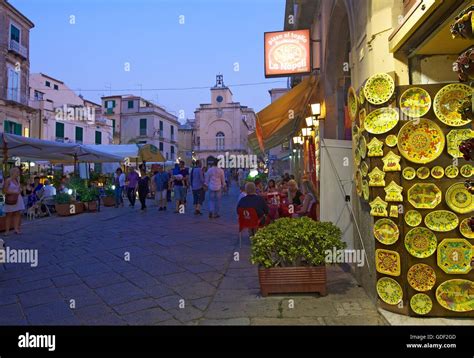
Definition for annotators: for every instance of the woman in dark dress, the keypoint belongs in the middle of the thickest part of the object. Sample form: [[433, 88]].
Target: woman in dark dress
[[143, 186]]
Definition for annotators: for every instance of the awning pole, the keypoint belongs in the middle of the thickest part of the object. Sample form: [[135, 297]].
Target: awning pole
[[5, 156]]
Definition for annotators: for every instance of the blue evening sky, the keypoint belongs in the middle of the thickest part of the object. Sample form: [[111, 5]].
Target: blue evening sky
[[217, 37]]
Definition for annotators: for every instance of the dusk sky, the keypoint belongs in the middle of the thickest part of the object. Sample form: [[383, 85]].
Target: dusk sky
[[217, 37]]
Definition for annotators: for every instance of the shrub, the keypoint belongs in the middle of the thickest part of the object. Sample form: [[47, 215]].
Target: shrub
[[295, 242], [62, 198]]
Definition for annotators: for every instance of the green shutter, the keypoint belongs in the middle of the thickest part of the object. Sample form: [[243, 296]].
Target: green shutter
[[18, 129], [113, 104], [98, 137], [113, 126], [130, 104], [7, 125], [79, 134], [143, 126], [59, 130]]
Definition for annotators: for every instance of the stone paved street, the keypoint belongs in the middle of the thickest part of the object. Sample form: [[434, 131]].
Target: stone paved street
[[181, 270]]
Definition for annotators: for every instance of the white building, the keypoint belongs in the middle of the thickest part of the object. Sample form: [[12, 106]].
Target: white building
[[66, 116], [222, 125]]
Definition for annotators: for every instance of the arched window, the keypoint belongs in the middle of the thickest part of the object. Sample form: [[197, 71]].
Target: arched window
[[220, 141]]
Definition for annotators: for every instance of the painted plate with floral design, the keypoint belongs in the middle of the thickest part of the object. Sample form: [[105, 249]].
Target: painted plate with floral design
[[465, 229], [437, 172], [387, 262], [361, 96], [413, 218], [441, 220], [421, 141], [386, 231], [447, 102], [409, 173], [352, 104], [381, 120], [362, 146], [424, 196], [379, 88], [459, 199], [364, 168], [362, 115], [454, 139], [389, 290], [421, 304], [451, 171], [466, 170], [421, 242], [358, 183], [454, 256], [421, 277], [423, 172], [391, 140], [456, 295], [415, 102], [365, 190]]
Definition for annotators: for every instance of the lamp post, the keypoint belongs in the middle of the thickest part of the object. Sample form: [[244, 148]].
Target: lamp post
[[312, 123]]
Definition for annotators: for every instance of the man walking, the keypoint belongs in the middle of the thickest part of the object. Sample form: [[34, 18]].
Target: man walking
[[197, 186], [180, 185], [132, 183], [215, 182], [160, 187]]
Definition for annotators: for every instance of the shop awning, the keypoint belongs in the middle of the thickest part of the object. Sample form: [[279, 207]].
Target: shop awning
[[143, 153], [278, 121]]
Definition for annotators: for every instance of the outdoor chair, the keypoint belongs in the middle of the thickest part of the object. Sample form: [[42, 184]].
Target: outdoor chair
[[248, 219], [46, 202]]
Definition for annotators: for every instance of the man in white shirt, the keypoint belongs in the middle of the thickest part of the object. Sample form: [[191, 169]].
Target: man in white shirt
[[215, 182], [48, 190]]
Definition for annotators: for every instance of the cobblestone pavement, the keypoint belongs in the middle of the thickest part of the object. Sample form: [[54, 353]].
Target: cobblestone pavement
[[126, 267]]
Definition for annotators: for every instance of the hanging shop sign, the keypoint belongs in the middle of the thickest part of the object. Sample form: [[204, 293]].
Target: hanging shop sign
[[287, 53]]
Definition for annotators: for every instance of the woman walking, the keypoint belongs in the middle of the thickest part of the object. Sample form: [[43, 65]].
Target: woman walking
[[14, 204], [119, 182], [143, 186]]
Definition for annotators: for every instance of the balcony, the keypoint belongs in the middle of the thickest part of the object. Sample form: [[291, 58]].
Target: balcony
[[17, 48]]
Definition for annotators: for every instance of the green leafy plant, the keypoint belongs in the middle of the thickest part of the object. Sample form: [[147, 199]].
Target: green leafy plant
[[292, 242], [88, 194], [76, 183], [62, 198], [109, 191]]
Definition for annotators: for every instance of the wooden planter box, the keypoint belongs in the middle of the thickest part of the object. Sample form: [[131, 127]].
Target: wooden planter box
[[91, 206], [108, 201], [65, 209], [292, 280]]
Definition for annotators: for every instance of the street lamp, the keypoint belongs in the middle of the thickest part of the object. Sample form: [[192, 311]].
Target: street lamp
[[316, 109]]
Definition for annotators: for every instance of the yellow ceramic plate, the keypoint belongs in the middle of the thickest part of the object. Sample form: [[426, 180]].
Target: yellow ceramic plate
[[381, 120], [364, 168], [386, 231], [466, 170], [465, 229], [459, 199], [421, 277], [391, 140], [441, 220], [437, 172], [413, 218], [358, 183], [423, 172], [361, 96], [454, 256], [352, 103], [389, 290], [456, 295], [365, 190], [454, 139], [379, 88], [357, 157], [362, 146], [409, 173], [420, 242], [375, 147], [362, 115], [387, 262], [415, 102], [421, 304], [451, 171], [448, 100], [424, 196], [421, 141]]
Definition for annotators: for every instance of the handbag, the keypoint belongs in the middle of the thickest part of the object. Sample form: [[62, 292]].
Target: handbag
[[11, 199]]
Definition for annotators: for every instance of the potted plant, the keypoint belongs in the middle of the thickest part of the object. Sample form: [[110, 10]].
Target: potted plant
[[291, 254], [65, 205], [89, 198], [109, 198]]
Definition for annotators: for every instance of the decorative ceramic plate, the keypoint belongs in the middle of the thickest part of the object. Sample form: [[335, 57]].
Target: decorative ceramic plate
[[447, 102], [361, 96], [441, 220], [423, 172], [386, 231], [355, 131], [421, 304], [424, 196], [415, 102], [421, 141], [454, 256], [421, 277], [379, 88], [365, 190], [381, 120], [465, 229], [456, 295], [391, 140], [362, 115], [451, 171], [376, 177], [454, 139], [459, 199], [378, 207], [387, 262], [420, 242], [357, 157], [364, 168], [437, 172], [409, 173], [352, 103], [362, 146], [389, 290], [358, 182], [375, 147], [466, 170], [413, 218]]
